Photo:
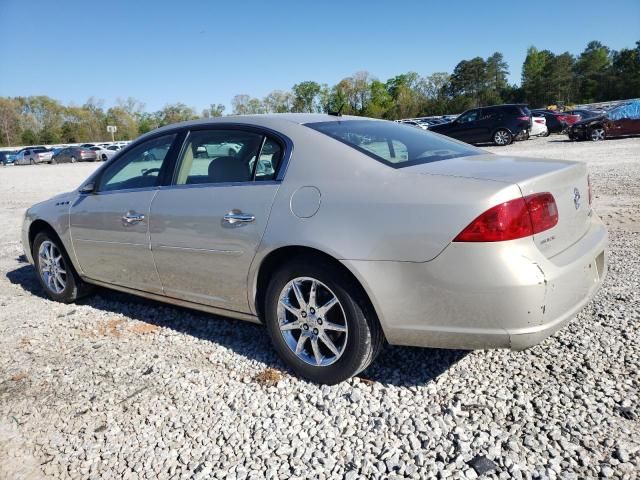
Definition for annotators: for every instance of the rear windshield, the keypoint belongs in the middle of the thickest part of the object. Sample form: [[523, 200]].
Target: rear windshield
[[394, 144]]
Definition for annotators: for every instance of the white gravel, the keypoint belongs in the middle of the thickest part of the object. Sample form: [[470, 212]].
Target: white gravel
[[120, 387]]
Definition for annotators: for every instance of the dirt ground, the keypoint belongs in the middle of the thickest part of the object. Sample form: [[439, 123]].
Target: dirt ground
[[110, 387]]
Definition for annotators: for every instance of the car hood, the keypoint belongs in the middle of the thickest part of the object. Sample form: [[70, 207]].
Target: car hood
[[497, 168], [590, 120]]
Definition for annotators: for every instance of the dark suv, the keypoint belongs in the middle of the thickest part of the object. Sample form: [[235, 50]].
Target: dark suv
[[499, 124]]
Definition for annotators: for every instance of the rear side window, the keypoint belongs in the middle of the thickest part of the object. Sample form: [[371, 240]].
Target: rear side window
[[392, 143], [228, 156]]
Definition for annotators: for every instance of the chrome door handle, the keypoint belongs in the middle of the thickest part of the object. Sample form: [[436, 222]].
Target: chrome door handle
[[130, 218], [235, 216]]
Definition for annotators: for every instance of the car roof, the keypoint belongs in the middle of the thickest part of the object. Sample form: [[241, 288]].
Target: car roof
[[270, 120]]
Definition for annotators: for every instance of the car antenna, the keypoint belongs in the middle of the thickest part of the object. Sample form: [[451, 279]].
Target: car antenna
[[336, 113]]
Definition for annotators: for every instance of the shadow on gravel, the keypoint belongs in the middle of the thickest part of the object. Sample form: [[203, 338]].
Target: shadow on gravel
[[401, 366]]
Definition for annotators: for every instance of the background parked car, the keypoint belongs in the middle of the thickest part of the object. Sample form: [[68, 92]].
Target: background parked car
[[556, 122], [31, 156], [617, 122], [103, 153], [74, 154], [499, 124], [7, 157], [584, 113], [539, 126]]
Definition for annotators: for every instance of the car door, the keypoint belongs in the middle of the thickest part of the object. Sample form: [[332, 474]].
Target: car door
[[488, 121], [110, 225], [206, 227], [465, 127]]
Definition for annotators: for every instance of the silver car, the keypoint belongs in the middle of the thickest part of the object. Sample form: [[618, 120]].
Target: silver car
[[338, 233]]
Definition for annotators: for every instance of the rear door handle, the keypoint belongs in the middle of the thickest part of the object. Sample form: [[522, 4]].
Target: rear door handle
[[131, 218], [235, 216]]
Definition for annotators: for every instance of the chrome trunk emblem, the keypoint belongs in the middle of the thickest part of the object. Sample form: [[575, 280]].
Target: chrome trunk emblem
[[576, 197]]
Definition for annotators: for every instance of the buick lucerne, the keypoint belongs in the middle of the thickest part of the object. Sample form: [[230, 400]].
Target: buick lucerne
[[337, 233]]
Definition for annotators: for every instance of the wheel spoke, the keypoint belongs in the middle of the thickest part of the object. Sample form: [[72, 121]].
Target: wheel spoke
[[291, 326], [327, 306], [60, 280], [316, 351], [329, 343], [312, 294], [334, 326], [298, 294], [301, 342], [290, 308]]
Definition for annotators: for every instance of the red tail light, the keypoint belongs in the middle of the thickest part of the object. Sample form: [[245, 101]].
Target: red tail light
[[589, 188], [539, 120], [517, 218], [526, 119]]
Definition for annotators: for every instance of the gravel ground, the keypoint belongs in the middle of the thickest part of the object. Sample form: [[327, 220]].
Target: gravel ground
[[120, 387]]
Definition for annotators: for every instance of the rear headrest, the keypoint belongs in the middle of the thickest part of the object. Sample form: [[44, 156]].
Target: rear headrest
[[228, 169]]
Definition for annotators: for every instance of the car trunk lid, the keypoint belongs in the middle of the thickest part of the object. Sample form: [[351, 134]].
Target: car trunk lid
[[565, 180]]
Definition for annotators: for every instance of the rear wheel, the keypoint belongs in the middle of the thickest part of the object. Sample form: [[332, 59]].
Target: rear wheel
[[55, 271], [53, 161], [32, 161], [502, 137], [597, 134], [104, 157], [73, 160], [319, 322]]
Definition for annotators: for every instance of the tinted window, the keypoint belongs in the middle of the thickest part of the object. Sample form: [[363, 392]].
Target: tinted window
[[139, 168], [470, 116], [219, 156], [394, 144]]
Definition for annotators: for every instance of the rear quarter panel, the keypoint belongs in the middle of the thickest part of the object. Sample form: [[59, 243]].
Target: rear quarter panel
[[370, 211]]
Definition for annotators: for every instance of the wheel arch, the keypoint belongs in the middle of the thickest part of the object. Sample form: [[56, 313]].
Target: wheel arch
[[277, 257], [38, 226]]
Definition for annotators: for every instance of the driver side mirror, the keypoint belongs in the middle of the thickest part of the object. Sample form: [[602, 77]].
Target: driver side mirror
[[88, 188]]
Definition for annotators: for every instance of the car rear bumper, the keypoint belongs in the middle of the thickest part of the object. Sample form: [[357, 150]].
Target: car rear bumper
[[475, 296]]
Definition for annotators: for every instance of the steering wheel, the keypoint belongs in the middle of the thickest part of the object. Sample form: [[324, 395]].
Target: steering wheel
[[150, 171]]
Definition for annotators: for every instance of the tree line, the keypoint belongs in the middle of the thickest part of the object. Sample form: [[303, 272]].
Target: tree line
[[597, 74]]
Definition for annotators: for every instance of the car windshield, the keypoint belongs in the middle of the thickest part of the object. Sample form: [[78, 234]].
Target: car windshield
[[394, 144]]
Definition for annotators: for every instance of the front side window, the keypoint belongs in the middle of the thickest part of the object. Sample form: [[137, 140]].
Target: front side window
[[471, 116], [228, 156], [139, 168], [392, 143]]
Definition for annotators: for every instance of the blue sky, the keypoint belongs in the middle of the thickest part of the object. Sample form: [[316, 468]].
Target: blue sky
[[202, 52]]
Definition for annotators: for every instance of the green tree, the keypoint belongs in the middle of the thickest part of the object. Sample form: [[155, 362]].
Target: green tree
[[10, 130], [592, 68], [535, 83], [306, 97], [469, 80], [625, 67]]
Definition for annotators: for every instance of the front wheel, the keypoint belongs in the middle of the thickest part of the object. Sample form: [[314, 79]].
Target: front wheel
[[502, 137], [319, 322], [597, 134], [55, 271], [73, 160]]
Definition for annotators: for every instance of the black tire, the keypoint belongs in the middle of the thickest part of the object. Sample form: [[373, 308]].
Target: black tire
[[365, 337], [104, 157], [74, 288], [502, 137], [547, 133], [32, 161], [73, 160], [53, 161]]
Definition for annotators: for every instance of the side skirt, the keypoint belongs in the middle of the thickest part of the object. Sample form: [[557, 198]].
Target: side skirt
[[179, 302]]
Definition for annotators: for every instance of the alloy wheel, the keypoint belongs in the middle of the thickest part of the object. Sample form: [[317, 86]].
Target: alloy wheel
[[52, 268], [501, 137], [312, 321], [597, 134]]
